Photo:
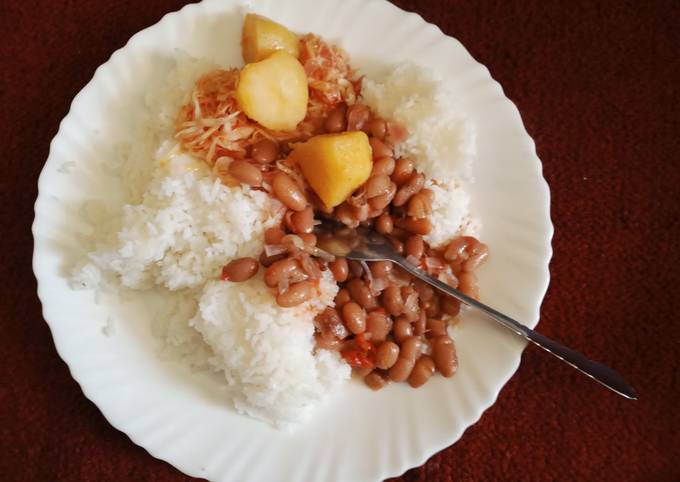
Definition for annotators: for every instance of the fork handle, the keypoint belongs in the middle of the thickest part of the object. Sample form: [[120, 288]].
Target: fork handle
[[597, 371]]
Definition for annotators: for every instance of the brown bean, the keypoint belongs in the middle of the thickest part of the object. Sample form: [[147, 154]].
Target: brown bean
[[467, 284], [414, 184], [401, 277], [380, 269], [375, 380], [330, 325], [342, 297], [399, 233], [360, 213], [383, 165], [397, 245], [436, 327], [408, 352], [221, 169], [480, 251], [356, 269], [402, 329], [296, 294], [379, 324], [386, 354], [424, 290], [403, 169], [456, 269], [361, 294], [392, 300], [444, 354], [419, 206], [362, 371], [309, 239], [382, 201], [410, 348], [396, 133], [354, 317], [433, 309], [267, 261], [345, 215], [377, 185], [471, 243], [374, 213], [327, 343], [336, 120], [240, 269], [450, 306], [340, 269], [420, 325], [417, 226], [401, 369], [265, 151], [288, 220], [378, 128], [288, 192], [273, 235], [245, 173], [384, 224], [358, 116], [379, 148], [422, 371], [455, 249], [329, 317], [279, 270], [303, 221], [414, 246]]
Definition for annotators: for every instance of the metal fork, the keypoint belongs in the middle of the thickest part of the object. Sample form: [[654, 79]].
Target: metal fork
[[364, 244]]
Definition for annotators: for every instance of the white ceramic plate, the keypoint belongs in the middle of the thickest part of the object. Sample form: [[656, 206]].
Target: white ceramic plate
[[357, 435]]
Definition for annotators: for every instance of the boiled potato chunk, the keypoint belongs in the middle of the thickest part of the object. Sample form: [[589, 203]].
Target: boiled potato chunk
[[273, 91], [262, 37], [335, 164]]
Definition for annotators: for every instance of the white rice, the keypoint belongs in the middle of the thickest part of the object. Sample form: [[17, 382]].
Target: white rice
[[266, 351], [450, 214], [179, 226], [441, 138], [187, 227]]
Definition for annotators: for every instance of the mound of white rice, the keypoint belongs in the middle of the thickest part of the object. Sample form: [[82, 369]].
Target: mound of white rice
[[266, 351], [187, 227], [441, 138]]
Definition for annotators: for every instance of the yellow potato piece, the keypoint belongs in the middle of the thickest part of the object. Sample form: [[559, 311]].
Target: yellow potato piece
[[262, 37], [335, 165], [273, 91]]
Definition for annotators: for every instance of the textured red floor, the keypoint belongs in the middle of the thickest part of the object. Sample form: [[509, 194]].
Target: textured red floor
[[597, 86]]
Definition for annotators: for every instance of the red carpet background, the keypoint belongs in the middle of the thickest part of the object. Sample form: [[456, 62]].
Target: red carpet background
[[597, 84]]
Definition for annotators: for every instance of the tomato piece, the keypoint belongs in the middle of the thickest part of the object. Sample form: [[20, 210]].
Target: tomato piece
[[357, 358], [363, 343]]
